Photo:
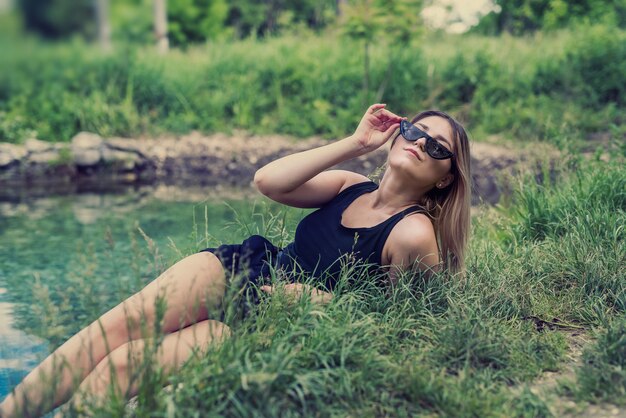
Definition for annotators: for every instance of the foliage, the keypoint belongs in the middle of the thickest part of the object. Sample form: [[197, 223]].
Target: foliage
[[192, 21], [589, 68], [306, 85], [189, 21], [244, 85], [58, 18], [256, 19], [522, 16], [132, 21], [462, 77]]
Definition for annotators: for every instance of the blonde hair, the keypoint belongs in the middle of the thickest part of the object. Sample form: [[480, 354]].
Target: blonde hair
[[449, 208]]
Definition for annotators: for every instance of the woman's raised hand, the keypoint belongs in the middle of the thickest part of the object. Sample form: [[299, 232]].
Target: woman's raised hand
[[376, 127]]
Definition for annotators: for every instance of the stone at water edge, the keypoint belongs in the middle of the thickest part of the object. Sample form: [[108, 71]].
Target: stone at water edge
[[10, 153], [86, 148]]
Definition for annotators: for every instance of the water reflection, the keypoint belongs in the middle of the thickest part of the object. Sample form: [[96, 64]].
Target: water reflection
[[19, 352], [90, 205]]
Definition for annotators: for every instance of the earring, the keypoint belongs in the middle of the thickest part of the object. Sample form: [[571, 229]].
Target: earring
[[440, 185]]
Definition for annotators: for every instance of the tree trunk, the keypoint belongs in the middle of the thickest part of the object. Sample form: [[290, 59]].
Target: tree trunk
[[383, 84], [160, 26], [103, 24], [366, 74], [340, 6]]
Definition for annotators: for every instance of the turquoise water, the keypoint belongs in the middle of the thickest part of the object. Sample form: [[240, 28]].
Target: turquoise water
[[65, 260]]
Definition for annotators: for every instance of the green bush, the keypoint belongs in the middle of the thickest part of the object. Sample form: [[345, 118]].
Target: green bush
[[582, 200], [462, 76], [591, 70], [311, 85], [280, 88]]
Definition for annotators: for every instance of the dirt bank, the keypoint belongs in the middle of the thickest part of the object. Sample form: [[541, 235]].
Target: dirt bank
[[90, 161]]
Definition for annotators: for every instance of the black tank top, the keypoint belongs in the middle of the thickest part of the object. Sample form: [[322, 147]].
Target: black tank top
[[322, 245]]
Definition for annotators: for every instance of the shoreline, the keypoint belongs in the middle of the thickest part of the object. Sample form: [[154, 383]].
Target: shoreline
[[92, 164]]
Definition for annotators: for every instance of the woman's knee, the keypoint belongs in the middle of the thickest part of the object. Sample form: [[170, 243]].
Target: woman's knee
[[196, 339], [132, 354], [214, 331], [122, 358], [115, 367]]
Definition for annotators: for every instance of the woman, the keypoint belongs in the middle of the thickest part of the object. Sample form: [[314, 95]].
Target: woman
[[418, 217]]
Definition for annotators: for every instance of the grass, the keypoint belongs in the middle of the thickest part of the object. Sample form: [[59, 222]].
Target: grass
[[448, 346], [603, 374]]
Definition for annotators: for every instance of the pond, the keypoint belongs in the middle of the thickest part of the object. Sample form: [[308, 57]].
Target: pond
[[64, 260]]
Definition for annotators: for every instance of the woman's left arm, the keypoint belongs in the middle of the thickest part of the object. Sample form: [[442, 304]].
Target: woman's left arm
[[296, 290]]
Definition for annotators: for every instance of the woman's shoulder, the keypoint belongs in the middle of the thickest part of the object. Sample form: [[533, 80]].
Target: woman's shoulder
[[415, 227], [413, 237], [353, 180]]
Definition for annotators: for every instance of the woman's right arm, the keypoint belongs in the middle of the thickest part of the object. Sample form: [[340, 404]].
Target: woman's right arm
[[300, 180]]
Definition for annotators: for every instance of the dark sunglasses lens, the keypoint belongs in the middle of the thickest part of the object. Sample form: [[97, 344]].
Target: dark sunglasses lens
[[409, 131], [437, 151]]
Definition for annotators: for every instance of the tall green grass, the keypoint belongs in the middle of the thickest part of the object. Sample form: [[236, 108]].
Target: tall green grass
[[551, 87]]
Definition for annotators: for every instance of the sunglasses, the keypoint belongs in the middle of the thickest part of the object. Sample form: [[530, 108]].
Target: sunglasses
[[433, 148]]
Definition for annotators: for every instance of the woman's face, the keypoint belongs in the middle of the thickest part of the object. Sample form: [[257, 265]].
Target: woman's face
[[411, 157]]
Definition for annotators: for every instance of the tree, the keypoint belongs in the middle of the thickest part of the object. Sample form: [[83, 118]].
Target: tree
[[160, 26], [392, 21], [261, 18], [522, 16], [102, 23]]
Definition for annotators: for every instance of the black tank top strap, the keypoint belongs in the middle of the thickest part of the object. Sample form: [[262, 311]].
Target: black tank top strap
[[412, 209], [347, 195]]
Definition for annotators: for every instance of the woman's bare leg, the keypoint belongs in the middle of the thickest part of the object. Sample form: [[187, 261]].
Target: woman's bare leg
[[120, 369], [190, 288]]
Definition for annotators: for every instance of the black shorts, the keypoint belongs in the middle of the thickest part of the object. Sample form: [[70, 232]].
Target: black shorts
[[247, 266]]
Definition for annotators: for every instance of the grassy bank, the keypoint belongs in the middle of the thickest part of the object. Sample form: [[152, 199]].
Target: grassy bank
[[549, 263], [555, 87]]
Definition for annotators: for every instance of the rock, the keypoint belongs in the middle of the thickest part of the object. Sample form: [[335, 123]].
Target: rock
[[159, 153], [86, 149], [35, 145], [128, 144], [121, 160], [87, 140], [11, 153], [87, 157], [47, 157]]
